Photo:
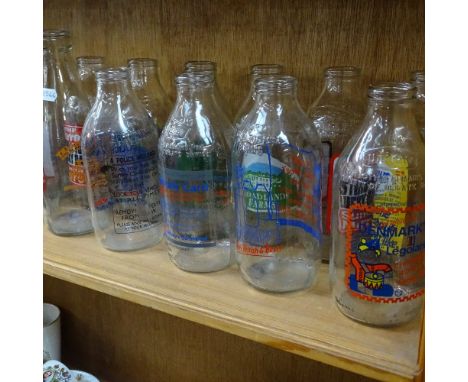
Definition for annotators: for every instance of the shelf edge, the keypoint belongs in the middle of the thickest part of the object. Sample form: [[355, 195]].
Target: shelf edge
[[207, 318]]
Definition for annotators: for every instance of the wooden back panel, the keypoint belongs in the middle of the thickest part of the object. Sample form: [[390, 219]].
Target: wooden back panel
[[384, 38]]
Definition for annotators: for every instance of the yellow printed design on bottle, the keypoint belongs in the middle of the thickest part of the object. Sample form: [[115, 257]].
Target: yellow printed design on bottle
[[392, 192]]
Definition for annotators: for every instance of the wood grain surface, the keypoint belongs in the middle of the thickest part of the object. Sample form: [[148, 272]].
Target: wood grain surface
[[119, 341], [306, 323], [385, 38]]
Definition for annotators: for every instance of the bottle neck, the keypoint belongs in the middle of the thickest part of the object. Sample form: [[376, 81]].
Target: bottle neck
[[142, 76], [197, 95], [112, 89], [342, 85], [390, 115], [284, 98]]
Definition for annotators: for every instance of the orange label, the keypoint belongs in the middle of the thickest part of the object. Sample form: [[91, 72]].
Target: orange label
[[76, 173], [385, 261]]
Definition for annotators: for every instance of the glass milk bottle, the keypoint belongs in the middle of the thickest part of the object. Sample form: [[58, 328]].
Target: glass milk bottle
[[65, 110], [337, 114], [276, 159], [194, 177], [120, 154], [377, 263]]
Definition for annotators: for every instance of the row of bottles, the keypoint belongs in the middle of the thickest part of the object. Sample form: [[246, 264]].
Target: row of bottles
[[276, 190]]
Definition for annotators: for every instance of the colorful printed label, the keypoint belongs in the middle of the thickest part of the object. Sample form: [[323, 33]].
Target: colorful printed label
[[76, 172], [385, 241], [267, 178], [191, 202], [125, 182], [271, 194], [384, 260]]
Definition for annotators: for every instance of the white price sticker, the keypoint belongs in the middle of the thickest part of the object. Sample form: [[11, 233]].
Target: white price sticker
[[49, 94]]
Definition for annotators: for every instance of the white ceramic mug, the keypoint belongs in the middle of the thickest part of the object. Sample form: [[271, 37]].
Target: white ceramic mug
[[51, 332]]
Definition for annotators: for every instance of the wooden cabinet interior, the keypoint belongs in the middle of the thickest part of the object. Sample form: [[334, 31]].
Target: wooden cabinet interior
[[121, 341]]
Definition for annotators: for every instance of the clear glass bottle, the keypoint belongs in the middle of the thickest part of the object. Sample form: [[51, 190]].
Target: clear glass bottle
[[276, 159], [65, 110], [417, 78], [194, 177], [120, 154], [87, 68], [209, 66], [256, 71], [377, 263], [144, 74], [337, 113]]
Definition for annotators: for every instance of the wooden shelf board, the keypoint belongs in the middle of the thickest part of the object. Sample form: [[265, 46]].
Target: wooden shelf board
[[305, 323]]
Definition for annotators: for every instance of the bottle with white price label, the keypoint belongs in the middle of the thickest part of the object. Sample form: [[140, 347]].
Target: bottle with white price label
[[65, 109]]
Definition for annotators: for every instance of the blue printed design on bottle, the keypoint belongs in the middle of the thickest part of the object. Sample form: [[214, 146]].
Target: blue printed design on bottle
[[274, 198]]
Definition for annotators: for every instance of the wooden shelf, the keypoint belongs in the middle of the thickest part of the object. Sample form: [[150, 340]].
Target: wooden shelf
[[305, 323]]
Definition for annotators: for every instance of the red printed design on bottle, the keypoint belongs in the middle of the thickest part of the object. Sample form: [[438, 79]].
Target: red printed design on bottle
[[385, 253], [76, 171]]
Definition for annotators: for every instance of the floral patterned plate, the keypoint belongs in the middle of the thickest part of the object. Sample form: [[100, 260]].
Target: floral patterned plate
[[55, 371]]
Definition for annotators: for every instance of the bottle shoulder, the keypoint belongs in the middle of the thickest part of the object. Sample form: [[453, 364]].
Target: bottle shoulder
[[118, 123]]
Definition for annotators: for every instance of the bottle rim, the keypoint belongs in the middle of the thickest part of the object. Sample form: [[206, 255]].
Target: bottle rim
[[90, 60], [195, 79], [143, 62], [55, 34], [266, 69], [418, 76], [392, 91], [200, 66], [113, 74], [275, 83], [342, 72]]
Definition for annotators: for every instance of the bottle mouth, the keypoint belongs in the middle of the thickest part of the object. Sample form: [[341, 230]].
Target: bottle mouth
[[90, 60], [55, 34], [342, 72], [200, 66], [195, 80], [392, 91], [266, 69], [275, 84], [112, 74], [417, 76], [142, 63]]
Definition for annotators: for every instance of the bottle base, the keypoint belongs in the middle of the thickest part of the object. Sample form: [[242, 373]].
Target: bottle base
[[71, 223], [380, 315], [200, 259], [132, 241], [279, 276]]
